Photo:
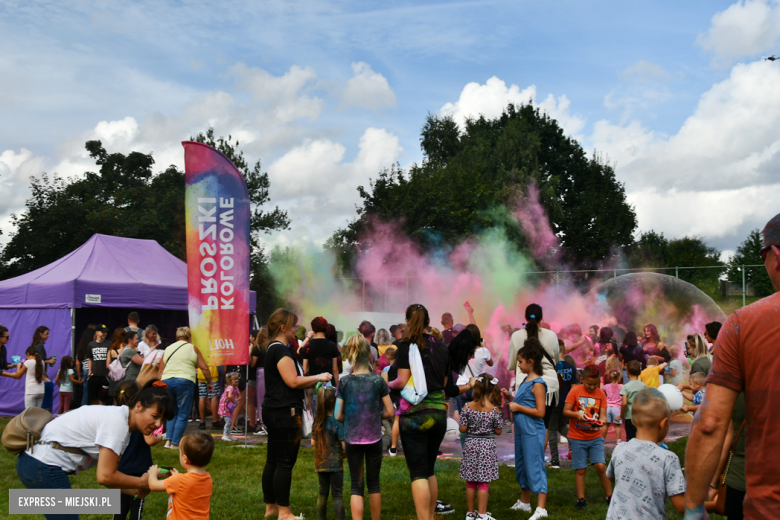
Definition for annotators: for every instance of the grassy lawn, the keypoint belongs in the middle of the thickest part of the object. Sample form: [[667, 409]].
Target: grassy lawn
[[238, 493]]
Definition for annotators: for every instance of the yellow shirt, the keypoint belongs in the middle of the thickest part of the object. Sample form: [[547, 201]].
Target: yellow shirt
[[214, 375], [650, 376], [180, 361], [381, 348]]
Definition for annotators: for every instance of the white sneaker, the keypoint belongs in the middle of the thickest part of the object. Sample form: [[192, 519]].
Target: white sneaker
[[619, 441], [472, 516], [539, 513], [564, 440], [228, 438], [520, 506], [168, 444], [486, 516]]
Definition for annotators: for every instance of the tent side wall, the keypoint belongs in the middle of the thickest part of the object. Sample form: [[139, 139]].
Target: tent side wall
[[21, 324]]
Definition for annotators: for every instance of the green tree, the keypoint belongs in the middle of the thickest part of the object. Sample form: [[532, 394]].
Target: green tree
[[693, 252], [749, 253], [124, 198], [471, 178], [651, 249]]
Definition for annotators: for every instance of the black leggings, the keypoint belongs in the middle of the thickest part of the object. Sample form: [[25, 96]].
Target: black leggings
[[734, 499], [421, 436], [630, 429], [129, 504], [284, 441], [373, 455], [331, 480]]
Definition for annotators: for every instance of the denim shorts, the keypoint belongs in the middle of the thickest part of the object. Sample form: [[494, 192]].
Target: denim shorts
[[612, 413], [203, 391], [581, 450]]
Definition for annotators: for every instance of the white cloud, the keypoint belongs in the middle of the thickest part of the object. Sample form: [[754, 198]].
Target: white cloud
[[16, 168], [644, 72], [367, 89], [319, 189], [492, 98], [746, 28], [719, 175]]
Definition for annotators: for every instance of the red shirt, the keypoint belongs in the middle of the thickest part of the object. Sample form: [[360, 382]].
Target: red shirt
[[590, 403], [747, 357]]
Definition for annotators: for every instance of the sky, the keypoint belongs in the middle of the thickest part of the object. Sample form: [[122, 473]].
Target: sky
[[327, 94]]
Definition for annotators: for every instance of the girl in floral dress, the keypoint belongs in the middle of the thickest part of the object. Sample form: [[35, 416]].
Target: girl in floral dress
[[480, 420]]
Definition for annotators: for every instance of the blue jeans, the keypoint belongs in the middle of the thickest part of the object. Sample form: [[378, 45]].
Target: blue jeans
[[34, 474], [181, 390]]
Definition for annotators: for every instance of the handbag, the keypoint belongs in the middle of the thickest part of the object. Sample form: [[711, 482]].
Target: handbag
[[417, 387], [720, 502], [23, 432], [148, 371]]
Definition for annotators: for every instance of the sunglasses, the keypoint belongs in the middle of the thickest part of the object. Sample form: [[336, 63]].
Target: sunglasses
[[765, 251]]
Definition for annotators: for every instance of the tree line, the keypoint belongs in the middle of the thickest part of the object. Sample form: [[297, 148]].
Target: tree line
[[470, 179]]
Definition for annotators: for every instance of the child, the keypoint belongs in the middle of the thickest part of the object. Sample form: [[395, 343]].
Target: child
[[33, 383], [66, 380], [584, 407], [363, 401], [696, 395], [614, 403], [528, 408], [190, 493], [480, 420], [328, 453], [227, 404], [137, 457], [628, 392], [651, 375], [644, 473]]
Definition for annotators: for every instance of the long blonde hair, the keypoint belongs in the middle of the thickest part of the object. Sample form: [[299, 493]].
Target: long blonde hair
[[358, 352], [700, 347]]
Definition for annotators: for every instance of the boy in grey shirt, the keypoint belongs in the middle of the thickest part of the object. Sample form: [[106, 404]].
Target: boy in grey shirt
[[643, 473]]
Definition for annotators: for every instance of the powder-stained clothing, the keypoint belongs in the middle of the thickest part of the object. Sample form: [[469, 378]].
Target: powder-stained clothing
[[436, 363], [746, 360], [362, 395], [698, 397], [645, 475], [650, 376], [189, 496], [594, 405], [328, 450]]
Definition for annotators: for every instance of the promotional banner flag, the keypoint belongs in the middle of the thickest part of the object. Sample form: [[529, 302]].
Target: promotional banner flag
[[217, 213]]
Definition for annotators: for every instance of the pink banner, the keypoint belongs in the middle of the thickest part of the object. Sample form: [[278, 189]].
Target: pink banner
[[217, 212]]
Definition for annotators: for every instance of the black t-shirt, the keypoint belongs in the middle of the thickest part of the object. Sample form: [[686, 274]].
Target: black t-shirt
[[137, 457], [277, 393], [321, 354], [447, 335], [569, 377], [435, 360], [97, 353], [632, 354], [260, 355]]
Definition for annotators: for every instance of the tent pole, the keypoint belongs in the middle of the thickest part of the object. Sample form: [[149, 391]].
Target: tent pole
[[73, 332], [246, 406]]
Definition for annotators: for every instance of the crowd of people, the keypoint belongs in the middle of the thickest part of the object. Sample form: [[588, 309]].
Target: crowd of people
[[348, 393]]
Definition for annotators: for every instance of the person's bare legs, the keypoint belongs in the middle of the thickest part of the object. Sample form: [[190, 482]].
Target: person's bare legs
[[471, 495], [482, 496], [601, 469], [604, 431], [375, 500], [202, 410], [214, 410], [617, 431], [579, 482], [433, 490], [525, 496], [421, 494], [285, 513], [240, 407], [396, 433], [271, 510], [356, 505]]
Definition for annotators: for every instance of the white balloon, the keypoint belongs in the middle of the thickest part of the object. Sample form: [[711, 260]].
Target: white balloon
[[453, 433], [673, 396]]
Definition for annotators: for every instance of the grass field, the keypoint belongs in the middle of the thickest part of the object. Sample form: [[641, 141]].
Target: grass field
[[238, 493]]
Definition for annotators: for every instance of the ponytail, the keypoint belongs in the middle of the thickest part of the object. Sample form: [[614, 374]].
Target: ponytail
[[418, 319], [154, 393], [533, 352], [32, 351], [126, 392], [533, 315]]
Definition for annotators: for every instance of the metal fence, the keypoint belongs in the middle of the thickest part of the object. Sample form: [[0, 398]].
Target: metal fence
[[378, 288]]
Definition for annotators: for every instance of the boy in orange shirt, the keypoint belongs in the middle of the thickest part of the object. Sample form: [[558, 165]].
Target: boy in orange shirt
[[585, 405], [190, 493], [651, 375]]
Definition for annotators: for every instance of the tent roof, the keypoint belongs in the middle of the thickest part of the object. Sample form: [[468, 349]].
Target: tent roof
[[123, 272]]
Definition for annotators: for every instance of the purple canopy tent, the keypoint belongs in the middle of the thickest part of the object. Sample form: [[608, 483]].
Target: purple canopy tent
[[106, 272]]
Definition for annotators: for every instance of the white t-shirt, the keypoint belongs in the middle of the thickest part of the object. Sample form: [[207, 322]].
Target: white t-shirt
[[88, 428], [549, 341], [143, 348], [477, 366], [31, 386]]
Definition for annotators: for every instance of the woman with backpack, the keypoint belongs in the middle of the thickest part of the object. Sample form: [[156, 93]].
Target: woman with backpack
[[424, 423], [129, 358], [89, 436], [178, 369]]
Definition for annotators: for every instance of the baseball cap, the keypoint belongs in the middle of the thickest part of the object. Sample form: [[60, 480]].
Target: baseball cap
[[101, 328]]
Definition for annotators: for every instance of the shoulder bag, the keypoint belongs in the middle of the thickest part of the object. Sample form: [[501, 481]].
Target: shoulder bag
[[416, 388], [719, 504], [23, 432]]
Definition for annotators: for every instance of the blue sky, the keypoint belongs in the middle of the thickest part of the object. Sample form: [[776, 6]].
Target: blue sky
[[326, 94]]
